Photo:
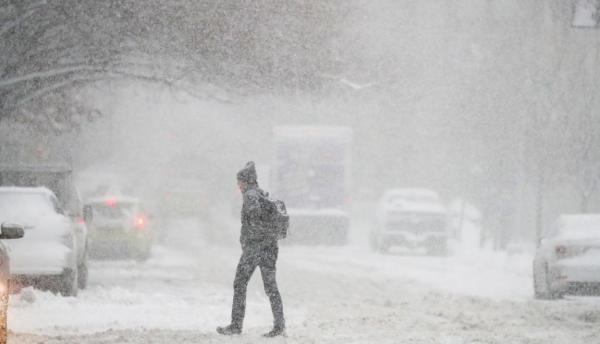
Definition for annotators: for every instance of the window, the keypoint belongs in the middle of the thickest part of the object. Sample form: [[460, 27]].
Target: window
[[56, 205]]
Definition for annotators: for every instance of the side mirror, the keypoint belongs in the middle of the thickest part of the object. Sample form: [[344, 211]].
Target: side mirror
[[88, 213], [11, 231]]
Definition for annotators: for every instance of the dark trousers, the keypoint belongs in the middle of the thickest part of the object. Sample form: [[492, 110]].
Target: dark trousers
[[265, 257]]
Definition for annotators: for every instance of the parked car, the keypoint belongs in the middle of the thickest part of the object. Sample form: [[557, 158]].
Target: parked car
[[8, 231], [411, 218], [119, 227], [57, 176], [49, 257], [568, 258]]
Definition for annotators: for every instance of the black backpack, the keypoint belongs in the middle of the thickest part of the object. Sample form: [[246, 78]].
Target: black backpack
[[274, 217]]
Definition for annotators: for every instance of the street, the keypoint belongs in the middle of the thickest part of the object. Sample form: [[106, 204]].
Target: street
[[330, 294], [434, 168]]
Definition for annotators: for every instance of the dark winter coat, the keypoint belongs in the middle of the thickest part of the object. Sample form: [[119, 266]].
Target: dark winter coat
[[252, 233]]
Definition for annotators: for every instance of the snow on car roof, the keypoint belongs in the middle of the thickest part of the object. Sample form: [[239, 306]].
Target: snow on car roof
[[579, 221], [411, 192], [19, 189], [413, 207], [413, 200], [117, 199], [313, 131]]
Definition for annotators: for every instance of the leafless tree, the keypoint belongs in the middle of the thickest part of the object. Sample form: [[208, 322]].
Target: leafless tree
[[52, 47]]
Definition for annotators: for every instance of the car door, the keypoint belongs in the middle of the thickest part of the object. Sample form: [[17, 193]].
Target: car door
[[79, 223], [76, 224]]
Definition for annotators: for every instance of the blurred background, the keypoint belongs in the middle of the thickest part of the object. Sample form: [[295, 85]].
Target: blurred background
[[484, 101], [422, 147]]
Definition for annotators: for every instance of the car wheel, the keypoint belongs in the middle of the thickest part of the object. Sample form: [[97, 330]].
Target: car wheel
[[373, 242], [142, 254], [539, 289], [542, 285], [340, 237], [82, 275], [68, 282], [383, 247], [4, 316], [438, 249]]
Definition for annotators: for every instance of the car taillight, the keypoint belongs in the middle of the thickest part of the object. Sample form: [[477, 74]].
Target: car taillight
[[80, 221], [561, 251], [139, 222], [569, 251]]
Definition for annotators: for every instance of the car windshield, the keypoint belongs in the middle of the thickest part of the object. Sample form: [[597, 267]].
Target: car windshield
[[21, 204], [416, 198], [110, 210]]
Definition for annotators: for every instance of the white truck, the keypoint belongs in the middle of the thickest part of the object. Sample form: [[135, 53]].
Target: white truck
[[310, 172]]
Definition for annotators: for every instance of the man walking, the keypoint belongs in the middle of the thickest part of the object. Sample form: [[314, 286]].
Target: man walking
[[259, 249]]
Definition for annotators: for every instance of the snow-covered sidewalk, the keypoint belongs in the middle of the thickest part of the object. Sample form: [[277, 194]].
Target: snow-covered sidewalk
[[160, 293]]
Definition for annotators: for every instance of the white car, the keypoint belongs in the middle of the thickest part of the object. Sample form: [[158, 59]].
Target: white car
[[49, 255], [411, 218], [568, 258]]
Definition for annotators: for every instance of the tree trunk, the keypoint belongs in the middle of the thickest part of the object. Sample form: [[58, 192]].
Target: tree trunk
[[539, 207], [585, 202]]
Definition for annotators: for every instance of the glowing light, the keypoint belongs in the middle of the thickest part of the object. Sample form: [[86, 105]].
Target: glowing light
[[111, 202], [140, 221]]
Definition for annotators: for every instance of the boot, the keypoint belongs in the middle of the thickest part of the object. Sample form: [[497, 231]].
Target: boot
[[229, 330], [276, 331]]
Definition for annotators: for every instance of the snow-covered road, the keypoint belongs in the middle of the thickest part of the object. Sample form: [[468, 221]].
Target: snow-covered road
[[331, 295]]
